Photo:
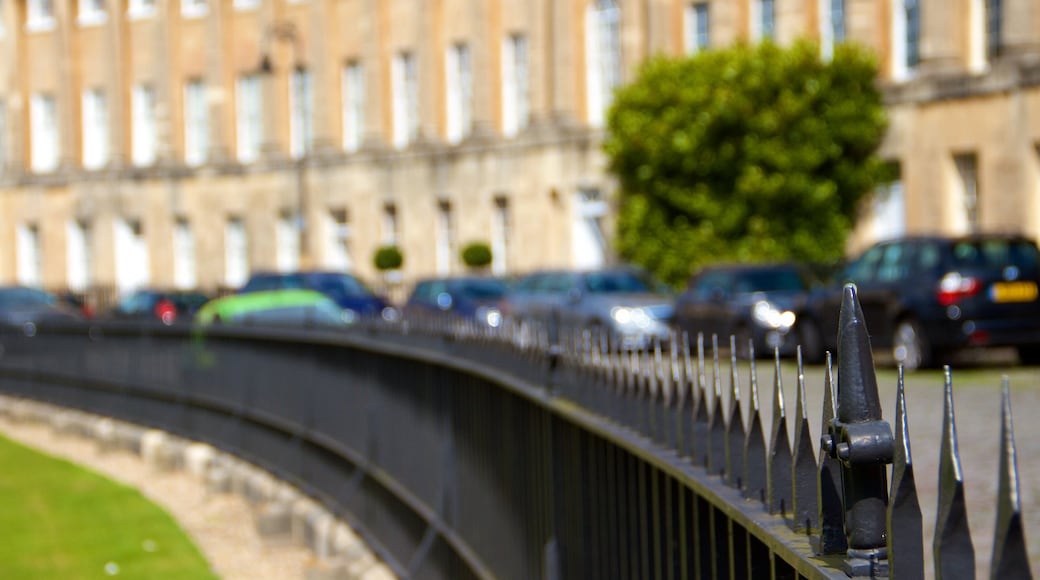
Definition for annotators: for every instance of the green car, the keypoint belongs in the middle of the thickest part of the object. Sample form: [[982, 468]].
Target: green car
[[275, 307]]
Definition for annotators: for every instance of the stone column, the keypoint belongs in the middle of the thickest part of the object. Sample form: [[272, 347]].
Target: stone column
[[539, 67], [217, 91], [162, 81], [65, 99], [1021, 28], [272, 146], [941, 37], [485, 70], [375, 69], [324, 77], [115, 90], [563, 63]]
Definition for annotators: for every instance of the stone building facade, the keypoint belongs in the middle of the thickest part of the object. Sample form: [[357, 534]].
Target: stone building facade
[[190, 142]]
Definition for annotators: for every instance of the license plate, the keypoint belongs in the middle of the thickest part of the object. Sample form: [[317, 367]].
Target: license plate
[[1013, 292]]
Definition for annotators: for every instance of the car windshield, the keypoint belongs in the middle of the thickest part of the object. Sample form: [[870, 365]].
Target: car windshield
[[617, 283], [337, 286], [482, 289], [995, 254], [769, 281], [22, 297]]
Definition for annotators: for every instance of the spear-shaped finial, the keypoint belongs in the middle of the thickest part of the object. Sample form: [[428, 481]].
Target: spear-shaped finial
[[905, 539], [780, 461], [805, 516], [1010, 556], [953, 549]]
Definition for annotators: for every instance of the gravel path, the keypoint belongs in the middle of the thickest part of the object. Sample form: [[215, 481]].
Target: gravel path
[[221, 524]]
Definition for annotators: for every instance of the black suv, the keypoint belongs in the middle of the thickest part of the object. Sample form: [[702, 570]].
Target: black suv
[[925, 297]]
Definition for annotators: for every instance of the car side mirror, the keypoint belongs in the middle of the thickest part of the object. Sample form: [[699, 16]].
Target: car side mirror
[[573, 295]]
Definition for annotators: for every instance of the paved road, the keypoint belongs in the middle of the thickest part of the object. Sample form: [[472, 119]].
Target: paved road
[[977, 407]]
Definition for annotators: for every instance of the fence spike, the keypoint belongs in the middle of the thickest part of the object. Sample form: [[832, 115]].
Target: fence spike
[[756, 475], [832, 516], [905, 535], [805, 515], [716, 452], [862, 442], [780, 461], [699, 431], [736, 436], [1010, 556], [953, 550]]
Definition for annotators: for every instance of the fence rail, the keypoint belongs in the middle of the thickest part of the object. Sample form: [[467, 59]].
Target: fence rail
[[460, 451]]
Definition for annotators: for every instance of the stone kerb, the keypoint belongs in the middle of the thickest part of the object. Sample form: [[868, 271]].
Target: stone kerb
[[281, 513]]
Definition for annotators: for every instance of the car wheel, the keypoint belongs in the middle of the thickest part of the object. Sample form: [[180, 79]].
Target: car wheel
[[1029, 354], [909, 347], [808, 334]]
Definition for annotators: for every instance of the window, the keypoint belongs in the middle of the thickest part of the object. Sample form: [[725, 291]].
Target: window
[[95, 129], [515, 99], [40, 15], [888, 209], [405, 84], [236, 253], [196, 123], [501, 235], [141, 9], [763, 20], [994, 28], [91, 12], [194, 8], [132, 264], [353, 106], [3, 22], [338, 249], [832, 26], [602, 57], [249, 117], [301, 105], [43, 127], [143, 134], [390, 234], [696, 33], [459, 81], [287, 238], [245, 4], [29, 255], [79, 255], [445, 238], [906, 33], [184, 275], [968, 181], [588, 243]]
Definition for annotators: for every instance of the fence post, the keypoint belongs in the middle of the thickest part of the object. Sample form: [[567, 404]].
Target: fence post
[[863, 444]]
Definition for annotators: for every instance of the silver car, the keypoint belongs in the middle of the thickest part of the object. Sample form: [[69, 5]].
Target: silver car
[[623, 301]]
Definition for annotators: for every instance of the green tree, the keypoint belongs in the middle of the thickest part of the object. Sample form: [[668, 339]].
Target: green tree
[[387, 258], [750, 153], [476, 255]]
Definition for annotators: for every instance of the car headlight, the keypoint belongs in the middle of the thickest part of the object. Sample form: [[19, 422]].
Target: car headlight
[[624, 315], [490, 316], [768, 315]]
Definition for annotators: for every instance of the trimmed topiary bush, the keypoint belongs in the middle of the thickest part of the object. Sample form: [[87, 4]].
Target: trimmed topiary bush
[[476, 255], [388, 258]]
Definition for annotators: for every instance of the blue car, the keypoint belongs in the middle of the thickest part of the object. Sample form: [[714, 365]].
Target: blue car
[[349, 293], [469, 298]]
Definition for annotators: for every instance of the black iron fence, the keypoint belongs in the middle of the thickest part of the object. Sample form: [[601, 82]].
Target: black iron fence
[[461, 451]]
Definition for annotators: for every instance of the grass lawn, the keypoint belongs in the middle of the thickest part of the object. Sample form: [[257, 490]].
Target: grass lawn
[[60, 521]]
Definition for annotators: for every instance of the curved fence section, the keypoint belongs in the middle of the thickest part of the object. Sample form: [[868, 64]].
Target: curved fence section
[[460, 452]]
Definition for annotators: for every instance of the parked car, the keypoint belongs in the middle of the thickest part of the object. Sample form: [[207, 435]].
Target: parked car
[[623, 301], [466, 298], [925, 297], [293, 307], [756, 303], [165, 306], [356, 299], [22, 307]]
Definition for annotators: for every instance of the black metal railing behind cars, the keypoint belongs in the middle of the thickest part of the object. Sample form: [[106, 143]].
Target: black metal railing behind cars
[[461, 450]]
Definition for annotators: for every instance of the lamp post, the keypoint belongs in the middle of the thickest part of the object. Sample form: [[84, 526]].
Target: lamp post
[[282, 30]]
